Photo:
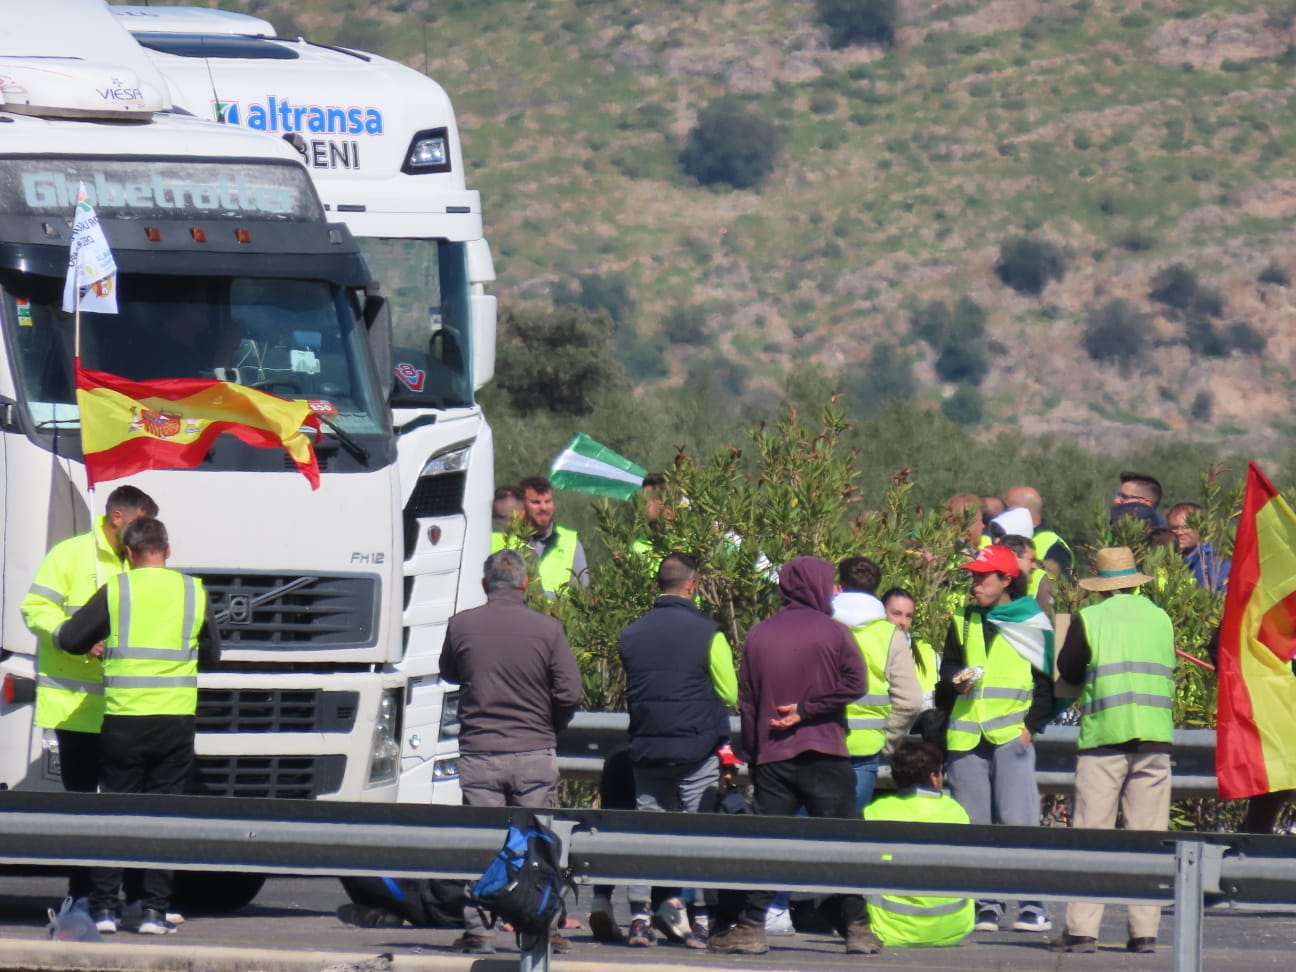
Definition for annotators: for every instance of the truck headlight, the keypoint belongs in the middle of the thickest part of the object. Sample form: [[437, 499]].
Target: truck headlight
[[450, 715], [445, 769], [384, 761], [429, 151], [450, 461]]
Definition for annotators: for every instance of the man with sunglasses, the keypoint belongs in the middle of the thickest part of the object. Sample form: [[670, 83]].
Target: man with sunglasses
[[1139, 489]]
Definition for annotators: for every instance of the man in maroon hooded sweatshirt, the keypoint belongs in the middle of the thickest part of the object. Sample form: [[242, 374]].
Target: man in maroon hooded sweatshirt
[[799, 670]]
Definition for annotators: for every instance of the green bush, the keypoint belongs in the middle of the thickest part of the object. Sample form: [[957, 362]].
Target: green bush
[[1275, 273], [593, 291], [732, 145], [1117, 331], [962, 362], [965, 407], [685, 325], [1242, 336], [888, 376], [854, 22], [1203, 404], [1175, 286], [555, 360], [1027, 265]]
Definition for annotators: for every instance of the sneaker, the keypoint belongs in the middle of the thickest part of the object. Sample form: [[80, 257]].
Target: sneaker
[[672, 920], [365, 916], [603, 924], [154, 922], [1074, 943], [105, 922], [860, 939], [641, 934], [778, 921], [1032, 921], [741, 938], [701, 926], [558, 944], [475, 944], [1145, 946], [175, 917], [987, 920]]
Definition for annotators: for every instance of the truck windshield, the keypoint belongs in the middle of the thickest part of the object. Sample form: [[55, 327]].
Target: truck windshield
[[299, 339], [426, 283]]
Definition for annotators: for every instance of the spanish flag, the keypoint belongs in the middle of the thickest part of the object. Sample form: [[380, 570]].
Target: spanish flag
[[1255, 750], [128, 426]]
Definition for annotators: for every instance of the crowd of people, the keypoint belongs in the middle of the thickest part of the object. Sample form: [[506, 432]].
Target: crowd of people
[[833, 686], [830, 688]]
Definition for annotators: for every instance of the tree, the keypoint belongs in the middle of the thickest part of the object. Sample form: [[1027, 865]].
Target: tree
[[1117, 331], [595, 291], [1027, 265], [888, 376], [730, 144], [556, 360], [852, 22]]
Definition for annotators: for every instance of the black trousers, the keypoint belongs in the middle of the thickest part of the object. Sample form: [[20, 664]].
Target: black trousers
[[142, 754], [79, 767], [825, 786]]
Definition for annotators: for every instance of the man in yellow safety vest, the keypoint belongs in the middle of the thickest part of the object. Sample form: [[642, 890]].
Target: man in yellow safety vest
[[559, 555], [154, 630]]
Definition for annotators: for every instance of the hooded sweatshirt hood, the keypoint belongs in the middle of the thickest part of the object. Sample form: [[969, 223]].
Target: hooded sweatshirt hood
[[808, 582], [856, 609]]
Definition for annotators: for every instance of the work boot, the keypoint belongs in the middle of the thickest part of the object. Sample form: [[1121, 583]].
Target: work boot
[[860, 939], [742, 938]]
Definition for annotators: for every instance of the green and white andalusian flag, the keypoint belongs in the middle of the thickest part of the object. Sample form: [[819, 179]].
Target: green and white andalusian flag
[[1027, 628], [586, 466]]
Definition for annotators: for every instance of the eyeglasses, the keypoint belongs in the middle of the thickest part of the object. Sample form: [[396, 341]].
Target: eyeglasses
[[1129, 498]]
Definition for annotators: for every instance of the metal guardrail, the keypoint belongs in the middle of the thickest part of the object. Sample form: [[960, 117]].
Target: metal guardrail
[[621, 847], [593, 736]]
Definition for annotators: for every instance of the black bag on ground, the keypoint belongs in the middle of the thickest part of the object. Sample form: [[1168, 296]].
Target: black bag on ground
[[524, 883], [423, 902]]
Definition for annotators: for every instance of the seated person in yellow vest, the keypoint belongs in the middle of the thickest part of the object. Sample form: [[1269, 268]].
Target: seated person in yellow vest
[[899, 606], [69, 688], [508, 512], [1051, 550], [879, 719], [1039, 584], [1122, 651], [560, 558], [154, 629], [996, 683], [912, 920]]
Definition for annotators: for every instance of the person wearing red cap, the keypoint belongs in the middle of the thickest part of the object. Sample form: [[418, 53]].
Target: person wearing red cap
[[996, 701]]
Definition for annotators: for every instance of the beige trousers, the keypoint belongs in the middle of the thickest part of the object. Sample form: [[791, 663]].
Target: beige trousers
[[1137, 784]]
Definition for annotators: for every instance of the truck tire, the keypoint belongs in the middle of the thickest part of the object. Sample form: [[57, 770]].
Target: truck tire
[[214, 892]]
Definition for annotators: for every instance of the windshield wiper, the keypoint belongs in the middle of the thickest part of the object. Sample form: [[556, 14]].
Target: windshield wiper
[[346, 438], [67, 423]]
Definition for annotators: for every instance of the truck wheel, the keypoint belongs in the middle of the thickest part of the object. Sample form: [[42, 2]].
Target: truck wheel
[[214, 892]]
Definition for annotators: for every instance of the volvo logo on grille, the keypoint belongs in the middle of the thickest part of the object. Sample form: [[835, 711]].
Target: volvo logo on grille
[[240, 609]]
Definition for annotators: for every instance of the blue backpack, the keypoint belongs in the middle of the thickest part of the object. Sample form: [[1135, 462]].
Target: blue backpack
[[524, 883]]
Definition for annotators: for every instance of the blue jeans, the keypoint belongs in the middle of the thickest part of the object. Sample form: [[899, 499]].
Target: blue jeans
[[866, 772]]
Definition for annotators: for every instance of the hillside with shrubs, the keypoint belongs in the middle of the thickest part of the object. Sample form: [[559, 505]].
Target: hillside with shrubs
[[1072, 218]]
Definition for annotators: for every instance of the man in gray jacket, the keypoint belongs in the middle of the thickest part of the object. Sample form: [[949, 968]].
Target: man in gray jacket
[[519, 685]]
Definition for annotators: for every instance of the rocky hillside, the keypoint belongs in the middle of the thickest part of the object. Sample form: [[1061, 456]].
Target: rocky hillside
[[1133, 136]]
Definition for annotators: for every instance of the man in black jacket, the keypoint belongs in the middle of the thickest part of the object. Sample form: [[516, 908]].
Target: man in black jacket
[[680, 685]]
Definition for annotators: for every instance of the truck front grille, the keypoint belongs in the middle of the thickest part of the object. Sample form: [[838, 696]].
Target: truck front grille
[[276, 710], [277, 777], [271, 610]]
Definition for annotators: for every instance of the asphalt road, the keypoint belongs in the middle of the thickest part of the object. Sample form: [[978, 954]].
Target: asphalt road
[[291, 927]]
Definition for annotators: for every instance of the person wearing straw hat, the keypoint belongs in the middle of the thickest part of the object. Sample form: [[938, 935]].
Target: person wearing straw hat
[[1121, 651]]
